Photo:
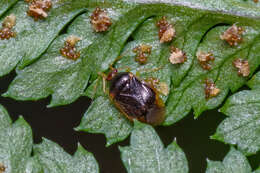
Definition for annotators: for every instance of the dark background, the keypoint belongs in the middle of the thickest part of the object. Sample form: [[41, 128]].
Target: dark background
[[57, 125]]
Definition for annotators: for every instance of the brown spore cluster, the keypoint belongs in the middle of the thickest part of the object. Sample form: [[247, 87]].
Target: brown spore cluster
[[204, 59], [7, 26], [100, 20], [242, 66], [233, 35], [177, 56], [142, 53], [210, 89], [69, 50], [38, 9], [166, 30]]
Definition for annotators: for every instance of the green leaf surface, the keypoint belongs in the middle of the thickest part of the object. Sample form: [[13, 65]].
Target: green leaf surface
[[242, 126], [55, 160], [257, 171], [254, 83], [146, 153], [5, 120], [234, 161], [101, 117], [113, 124], [34, 37], [53, 74], [187, 81], [5, 5], [237, 7], [189, 94], [16, 150], [198, 28], [144, 72], [56, 75], [33, 166], [15, 143]]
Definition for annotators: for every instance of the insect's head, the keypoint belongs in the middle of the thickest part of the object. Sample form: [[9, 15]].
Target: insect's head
[[111, 74]]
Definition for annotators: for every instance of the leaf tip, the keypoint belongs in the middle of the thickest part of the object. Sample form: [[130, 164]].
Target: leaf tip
[[221, 110], [217, 136], [51, 105], [175, 140], [120, 148], [197, 113], [80, 147], [196, 116], [78, 128], [174, 143], [109, 143], [6, 94], [22, 120], [207, 160], [123, 149]]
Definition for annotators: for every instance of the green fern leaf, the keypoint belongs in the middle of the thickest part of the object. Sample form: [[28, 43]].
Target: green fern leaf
[[242, 126], [16, 150]]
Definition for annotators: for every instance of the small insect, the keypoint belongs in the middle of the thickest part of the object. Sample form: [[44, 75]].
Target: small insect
[[100, 20], [136, 99], [7, 26], [210, 89], [142, 53], [242, 66], [177, 56], [2, 168], [204, 59], [233, 35], [69, 51], [166, 30], [38, 8]]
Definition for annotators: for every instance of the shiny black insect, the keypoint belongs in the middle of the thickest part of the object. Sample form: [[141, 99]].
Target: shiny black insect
[[136, 99]]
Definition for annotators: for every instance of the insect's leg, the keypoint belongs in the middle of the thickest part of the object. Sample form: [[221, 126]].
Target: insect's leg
[[104, 80]]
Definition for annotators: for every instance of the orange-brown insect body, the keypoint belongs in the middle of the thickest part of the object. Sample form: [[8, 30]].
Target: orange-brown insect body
[[136, 99], [38, 8], [100, 20]]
